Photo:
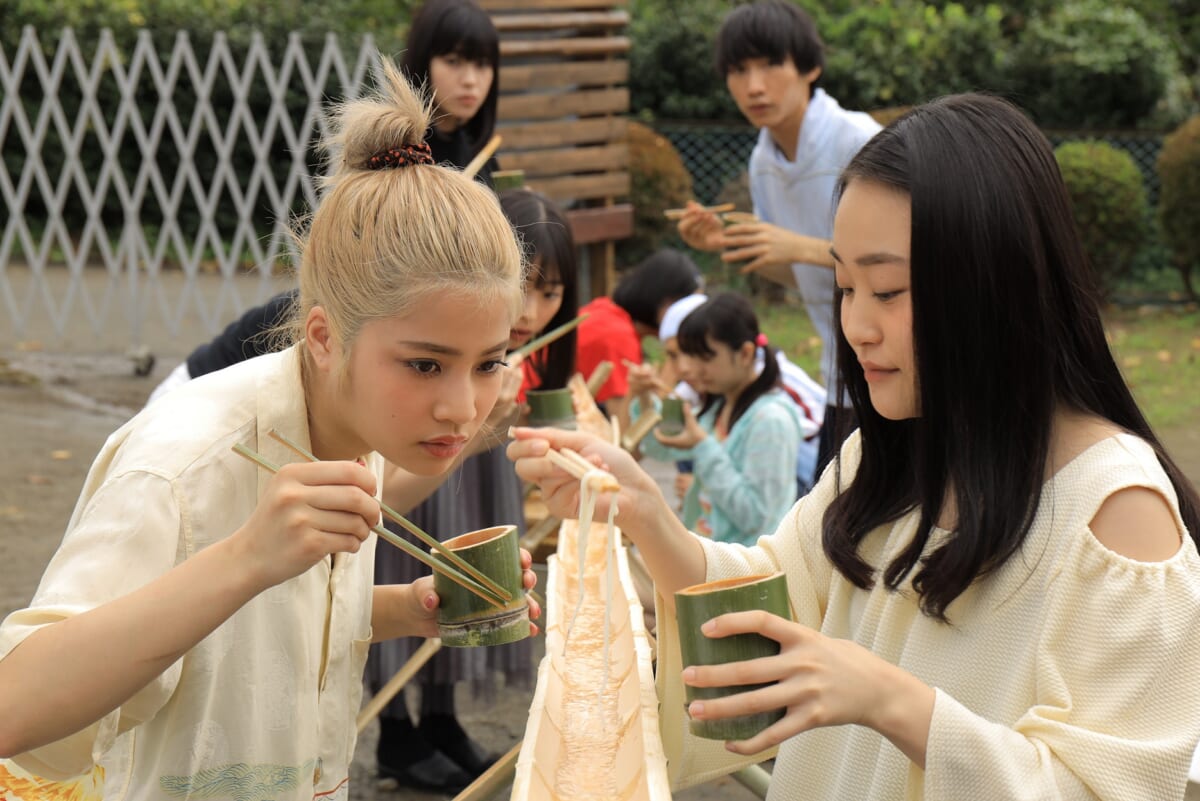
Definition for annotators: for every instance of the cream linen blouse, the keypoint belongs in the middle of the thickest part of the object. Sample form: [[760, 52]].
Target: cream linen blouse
[[262, 708], [1070, 673]]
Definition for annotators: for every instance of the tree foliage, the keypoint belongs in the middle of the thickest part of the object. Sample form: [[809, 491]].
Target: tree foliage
[[1074, 64], [1091, 64]]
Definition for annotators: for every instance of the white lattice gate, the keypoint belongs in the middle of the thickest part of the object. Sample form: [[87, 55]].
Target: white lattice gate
[[120, 198]]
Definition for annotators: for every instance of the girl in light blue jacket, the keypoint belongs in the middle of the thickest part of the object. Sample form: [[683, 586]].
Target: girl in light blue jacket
[[744, 439]]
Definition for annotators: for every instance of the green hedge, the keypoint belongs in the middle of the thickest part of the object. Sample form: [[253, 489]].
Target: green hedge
[[1179, 199], [1108, 200], [899, 53]]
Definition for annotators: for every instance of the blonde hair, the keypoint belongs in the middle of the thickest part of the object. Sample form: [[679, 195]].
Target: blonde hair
[[383, 239]]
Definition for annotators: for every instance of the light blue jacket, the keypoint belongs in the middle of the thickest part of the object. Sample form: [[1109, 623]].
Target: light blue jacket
[[746, 484]]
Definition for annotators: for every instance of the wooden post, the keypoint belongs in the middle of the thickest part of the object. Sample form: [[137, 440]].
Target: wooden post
[[499, 775]]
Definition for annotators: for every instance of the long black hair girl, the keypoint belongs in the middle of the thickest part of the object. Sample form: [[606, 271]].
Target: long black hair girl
[[1006, 331]]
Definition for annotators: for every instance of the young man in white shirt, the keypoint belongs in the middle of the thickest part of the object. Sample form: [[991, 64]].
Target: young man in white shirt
[[772, 58]]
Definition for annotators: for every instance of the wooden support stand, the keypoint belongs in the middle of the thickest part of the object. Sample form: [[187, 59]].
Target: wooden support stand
[[396, 683], [564, 99]]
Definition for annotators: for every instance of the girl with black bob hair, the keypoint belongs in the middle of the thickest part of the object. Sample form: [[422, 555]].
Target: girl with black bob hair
[[453, 49], [436, 753], [997, 580], [744, 440]]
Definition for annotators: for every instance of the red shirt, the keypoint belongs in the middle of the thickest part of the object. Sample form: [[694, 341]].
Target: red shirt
[[529, 378], [607, 335]]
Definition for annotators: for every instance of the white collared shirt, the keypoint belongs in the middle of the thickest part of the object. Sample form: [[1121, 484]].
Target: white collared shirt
[[265, 706]]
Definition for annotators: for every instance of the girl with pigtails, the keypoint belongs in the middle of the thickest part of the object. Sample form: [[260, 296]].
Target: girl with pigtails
[[203, 627], [744, 439]]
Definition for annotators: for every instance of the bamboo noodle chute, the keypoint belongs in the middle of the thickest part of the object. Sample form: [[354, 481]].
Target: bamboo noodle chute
[[593, 725]]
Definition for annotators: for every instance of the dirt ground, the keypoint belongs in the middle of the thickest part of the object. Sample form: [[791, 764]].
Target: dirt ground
[[58, 405]]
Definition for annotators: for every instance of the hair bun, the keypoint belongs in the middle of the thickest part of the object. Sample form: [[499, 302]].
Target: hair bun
[[394, 120]]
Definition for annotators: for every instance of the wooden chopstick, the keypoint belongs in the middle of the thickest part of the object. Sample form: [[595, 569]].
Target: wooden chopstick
[[677, 214], [476, 164], [578, 459], [579, 467], [409, 526], [548, 337], [596, 380], [437, 564]]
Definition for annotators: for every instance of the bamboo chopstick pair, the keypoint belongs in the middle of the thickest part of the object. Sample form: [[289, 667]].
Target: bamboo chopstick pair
[[454, 567], [677, 214], [574, 463]]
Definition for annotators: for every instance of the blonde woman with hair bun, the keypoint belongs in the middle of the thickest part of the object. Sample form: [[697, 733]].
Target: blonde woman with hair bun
[[204, 624]]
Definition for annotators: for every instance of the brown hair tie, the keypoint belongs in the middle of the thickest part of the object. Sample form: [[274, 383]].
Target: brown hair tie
[[402, 156]]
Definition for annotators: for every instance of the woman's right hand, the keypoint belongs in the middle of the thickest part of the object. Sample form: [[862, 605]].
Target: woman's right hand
[[701, 229], [308, 511], [639, 501]]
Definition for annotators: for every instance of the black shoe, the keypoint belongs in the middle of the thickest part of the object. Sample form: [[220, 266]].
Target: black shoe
[[436, 773], [444, 733], [470, 756]]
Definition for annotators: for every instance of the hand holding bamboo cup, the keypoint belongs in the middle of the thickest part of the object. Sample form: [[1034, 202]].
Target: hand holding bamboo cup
[[695, 606]]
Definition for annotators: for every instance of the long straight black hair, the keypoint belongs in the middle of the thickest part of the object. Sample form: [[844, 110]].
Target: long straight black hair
[[1006, 329], [728, 318], [460, 27], [549, 249]]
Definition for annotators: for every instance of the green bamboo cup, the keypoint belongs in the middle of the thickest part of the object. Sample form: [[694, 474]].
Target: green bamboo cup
[[672, 416], [464, 619], [551, 407], [508, 179], [700, 603]]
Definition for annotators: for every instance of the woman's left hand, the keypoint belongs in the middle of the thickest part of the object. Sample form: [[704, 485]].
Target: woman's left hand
[[762, 244], [415, 614], [819, 681], [691, 436]]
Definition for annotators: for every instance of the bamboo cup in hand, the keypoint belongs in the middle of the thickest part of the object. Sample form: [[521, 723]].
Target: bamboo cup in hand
[[553, 408], [700, 603], [464, 619], [672, 416]]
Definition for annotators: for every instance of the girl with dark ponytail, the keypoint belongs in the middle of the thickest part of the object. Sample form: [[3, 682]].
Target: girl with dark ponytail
[[744, 439]]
